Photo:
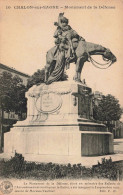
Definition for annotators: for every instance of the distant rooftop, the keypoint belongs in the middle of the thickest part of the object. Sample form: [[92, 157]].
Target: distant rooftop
[[11, 69], [98, 93]]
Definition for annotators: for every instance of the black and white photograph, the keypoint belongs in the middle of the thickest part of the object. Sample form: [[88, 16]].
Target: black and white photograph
[[61, 97]]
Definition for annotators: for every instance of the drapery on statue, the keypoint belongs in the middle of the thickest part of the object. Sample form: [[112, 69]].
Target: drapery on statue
[[70, 47]]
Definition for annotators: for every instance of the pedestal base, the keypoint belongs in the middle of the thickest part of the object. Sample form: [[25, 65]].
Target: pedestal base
[[59, 123], [60, 140]]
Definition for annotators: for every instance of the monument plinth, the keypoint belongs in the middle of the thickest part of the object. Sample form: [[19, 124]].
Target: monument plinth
[[59, 122]]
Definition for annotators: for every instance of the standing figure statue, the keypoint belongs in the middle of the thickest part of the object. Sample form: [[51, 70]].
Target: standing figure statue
[[70, 47]]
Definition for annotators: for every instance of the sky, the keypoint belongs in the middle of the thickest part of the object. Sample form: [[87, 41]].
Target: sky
[[27, 34]]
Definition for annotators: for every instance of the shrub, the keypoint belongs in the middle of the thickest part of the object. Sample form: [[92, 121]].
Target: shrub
[[18, 167]]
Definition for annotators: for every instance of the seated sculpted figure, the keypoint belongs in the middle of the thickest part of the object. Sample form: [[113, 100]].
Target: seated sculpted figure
[[65, 32]]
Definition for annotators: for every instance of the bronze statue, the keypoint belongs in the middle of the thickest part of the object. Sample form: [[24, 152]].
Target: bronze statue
[[65, 32], [70, 47]]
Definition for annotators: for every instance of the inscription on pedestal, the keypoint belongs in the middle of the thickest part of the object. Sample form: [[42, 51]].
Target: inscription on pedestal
[[48, 102]]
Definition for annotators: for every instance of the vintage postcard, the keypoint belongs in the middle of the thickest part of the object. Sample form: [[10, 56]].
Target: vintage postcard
[[61, 100]]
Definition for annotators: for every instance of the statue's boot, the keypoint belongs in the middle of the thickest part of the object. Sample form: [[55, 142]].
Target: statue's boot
[[77, 77]]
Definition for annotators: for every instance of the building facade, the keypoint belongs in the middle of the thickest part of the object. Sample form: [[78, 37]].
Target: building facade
[[8, 119], [14, 72]]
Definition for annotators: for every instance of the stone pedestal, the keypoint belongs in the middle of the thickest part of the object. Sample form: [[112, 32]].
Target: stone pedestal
[[59, 122]]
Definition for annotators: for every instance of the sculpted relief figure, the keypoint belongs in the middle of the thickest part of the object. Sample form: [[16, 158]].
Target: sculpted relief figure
[[72, 48]]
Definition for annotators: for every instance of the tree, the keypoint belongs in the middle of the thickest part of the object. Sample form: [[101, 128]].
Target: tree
[[39, 76], [12, 98], [36, 78], [108, 109], [12, 93]]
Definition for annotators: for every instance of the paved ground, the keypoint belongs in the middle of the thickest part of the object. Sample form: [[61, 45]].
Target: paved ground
[[118, 146], [85, 161]]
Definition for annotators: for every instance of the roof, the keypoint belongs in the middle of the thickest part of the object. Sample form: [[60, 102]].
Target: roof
[[13, 70]]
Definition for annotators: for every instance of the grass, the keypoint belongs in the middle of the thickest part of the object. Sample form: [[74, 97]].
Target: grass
[[17, 167]]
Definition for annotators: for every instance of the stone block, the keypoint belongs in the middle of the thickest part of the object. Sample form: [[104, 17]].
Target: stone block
[[59, 123]]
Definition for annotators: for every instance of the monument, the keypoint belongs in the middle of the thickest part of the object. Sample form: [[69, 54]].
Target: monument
[[60, 114]]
